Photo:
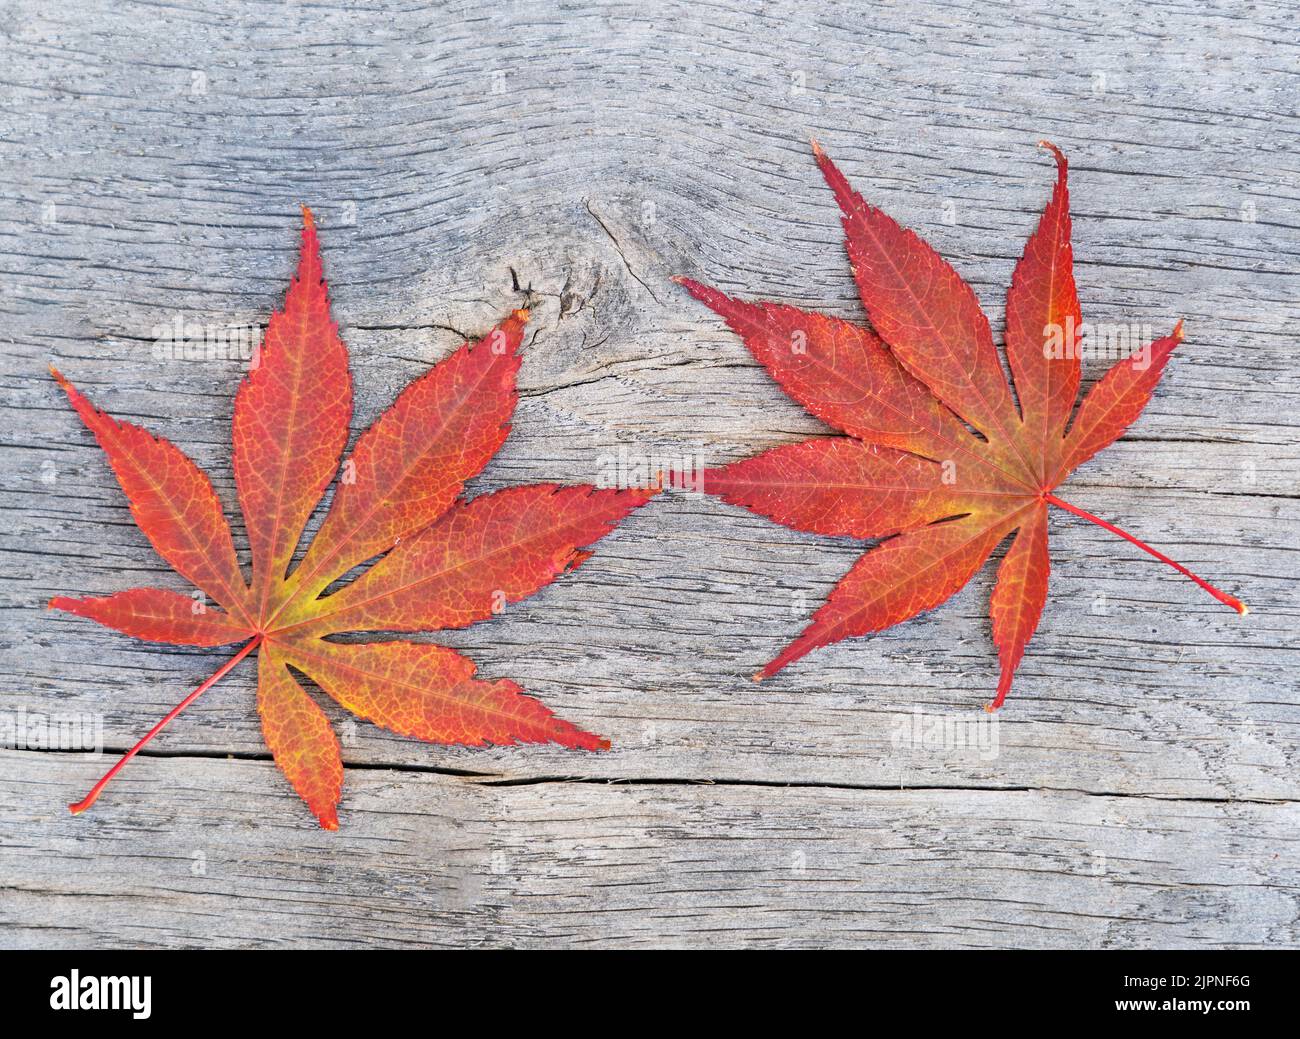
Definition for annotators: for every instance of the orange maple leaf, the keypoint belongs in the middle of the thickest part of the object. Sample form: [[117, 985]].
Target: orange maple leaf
[[446, 562], [940, 458]]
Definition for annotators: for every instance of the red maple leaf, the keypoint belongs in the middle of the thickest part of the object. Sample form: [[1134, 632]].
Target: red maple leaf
[[939, 459], [446, 562]]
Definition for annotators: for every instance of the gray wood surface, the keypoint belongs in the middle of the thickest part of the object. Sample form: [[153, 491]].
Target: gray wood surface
[[1143, 790]]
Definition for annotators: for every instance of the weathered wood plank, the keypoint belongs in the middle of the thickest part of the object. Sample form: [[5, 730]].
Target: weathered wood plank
[[652, 643], [433, 860], [153, 160]]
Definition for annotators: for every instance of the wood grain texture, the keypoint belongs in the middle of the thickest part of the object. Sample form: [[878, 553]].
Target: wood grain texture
[[1144, 787]]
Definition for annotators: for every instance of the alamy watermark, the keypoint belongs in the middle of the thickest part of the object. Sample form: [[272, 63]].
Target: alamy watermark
[[632, 467], [181, 340], [25, 730], [976, 731], [125, 992], [1099, 340]]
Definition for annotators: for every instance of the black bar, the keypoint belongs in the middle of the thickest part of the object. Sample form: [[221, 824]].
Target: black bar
[[304, 987]]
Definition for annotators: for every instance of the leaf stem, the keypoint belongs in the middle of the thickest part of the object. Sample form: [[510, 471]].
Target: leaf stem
[[225, 669], [1223, 597]]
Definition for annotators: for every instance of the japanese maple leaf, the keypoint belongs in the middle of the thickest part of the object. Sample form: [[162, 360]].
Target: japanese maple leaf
[[940, 458], [444, 562]]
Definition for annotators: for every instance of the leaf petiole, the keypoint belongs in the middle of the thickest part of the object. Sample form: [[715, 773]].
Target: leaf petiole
[[1223, 597], [90, 798]]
